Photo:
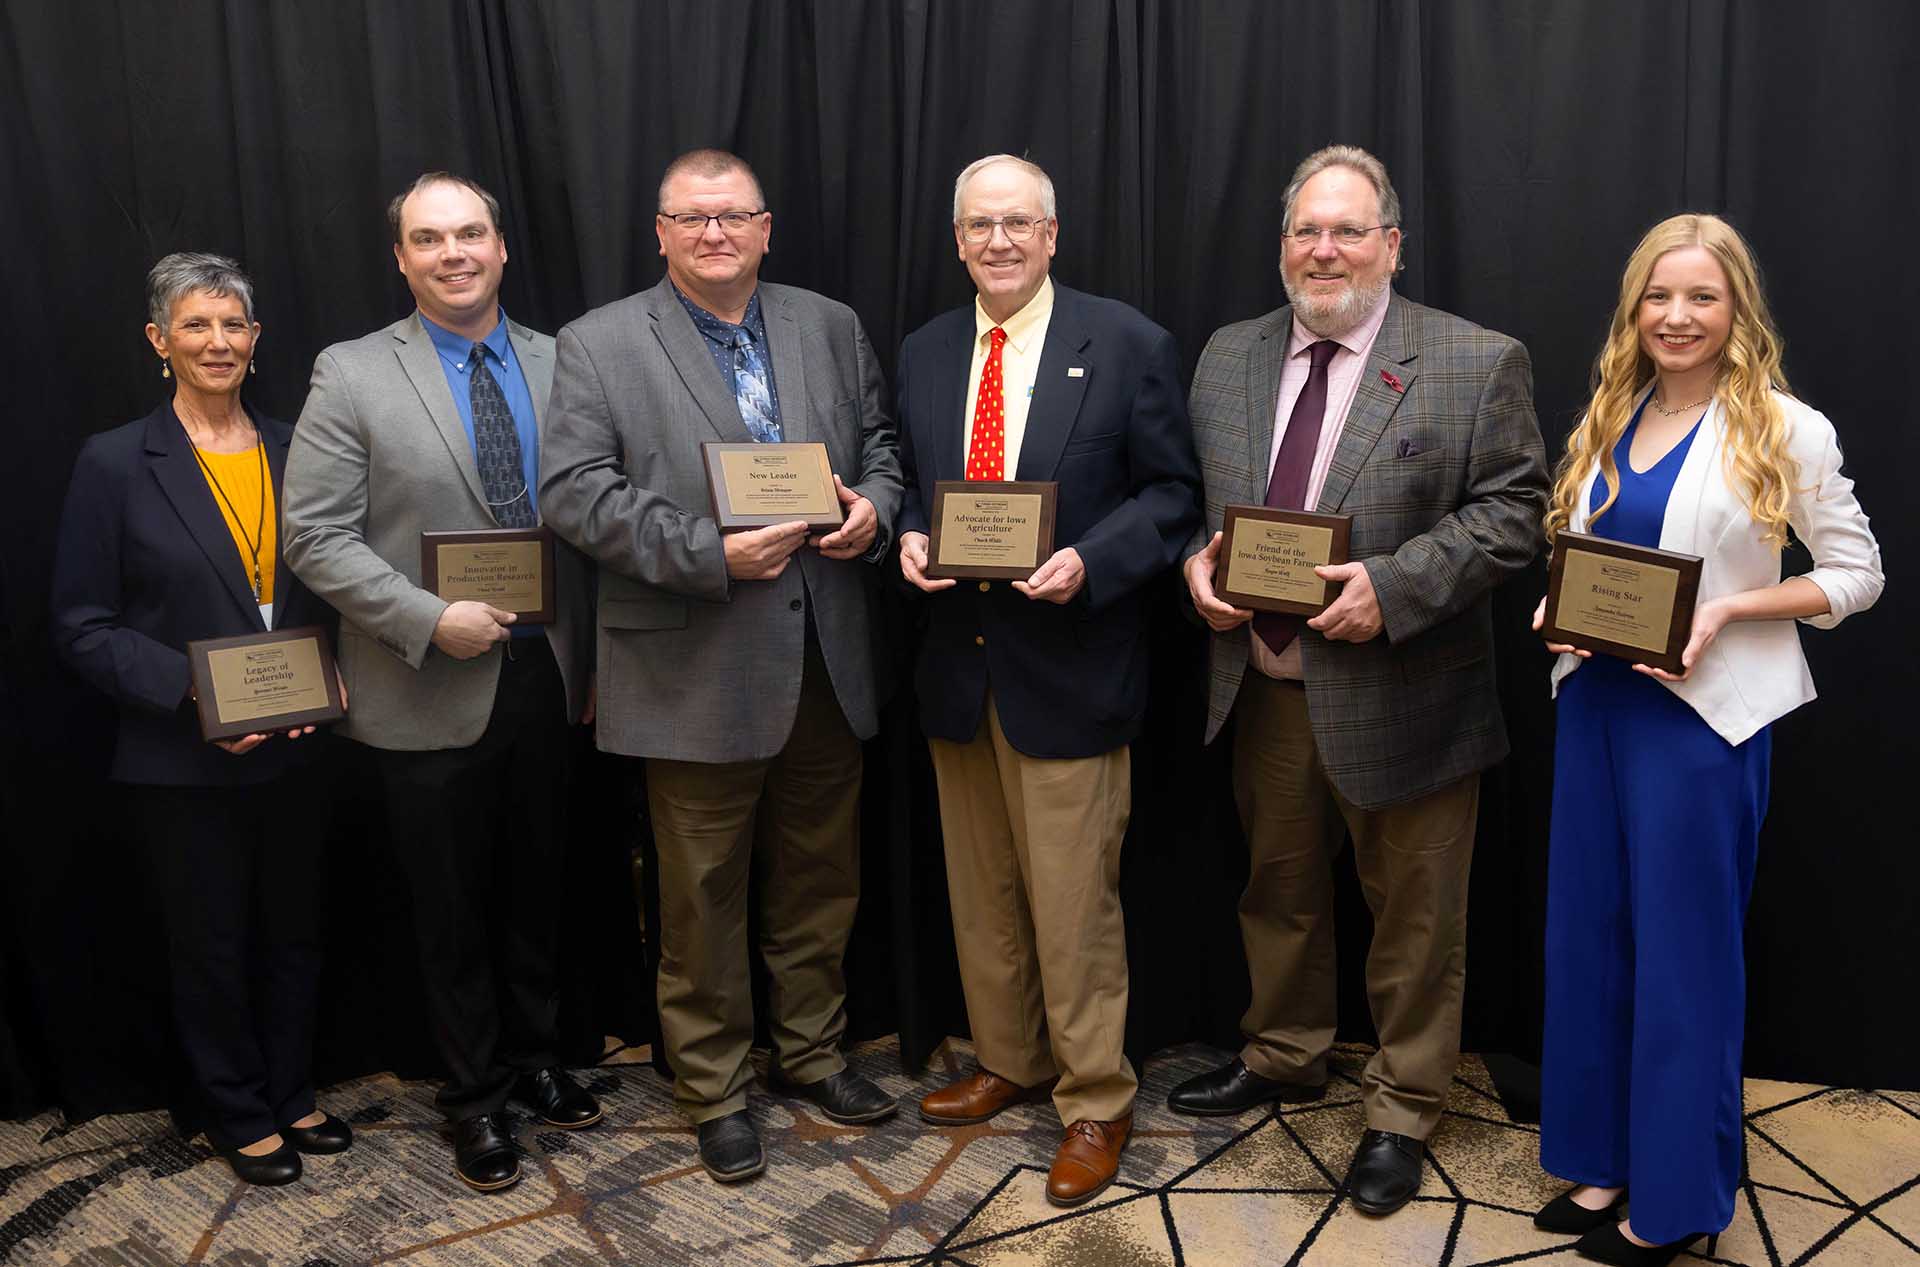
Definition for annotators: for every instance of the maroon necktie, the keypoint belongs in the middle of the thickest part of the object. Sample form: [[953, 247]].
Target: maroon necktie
[[1292, 469]]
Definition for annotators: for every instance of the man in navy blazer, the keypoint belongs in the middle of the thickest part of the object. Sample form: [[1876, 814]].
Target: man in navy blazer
[[1031, 691]]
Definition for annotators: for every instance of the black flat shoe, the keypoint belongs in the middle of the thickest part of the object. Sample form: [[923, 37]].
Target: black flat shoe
[[845, 1096], [1568, 1217], [730, 1148], [483, 1154], [557, 1098], [1609, 1244], [331, 1136], [1385, 1172], [1234, 1088], [265, 1170]]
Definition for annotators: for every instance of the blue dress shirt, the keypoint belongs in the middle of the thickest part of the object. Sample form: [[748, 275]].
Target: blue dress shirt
[[720, 339], [454, 352], [505, 368]]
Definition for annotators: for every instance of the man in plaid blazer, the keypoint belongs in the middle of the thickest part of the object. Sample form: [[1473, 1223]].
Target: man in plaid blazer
[[1375, 717]]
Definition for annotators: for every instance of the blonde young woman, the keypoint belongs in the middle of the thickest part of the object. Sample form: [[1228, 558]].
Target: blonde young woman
[[1690, 443]]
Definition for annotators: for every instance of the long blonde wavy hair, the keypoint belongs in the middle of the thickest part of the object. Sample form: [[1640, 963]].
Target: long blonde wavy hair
[[1757, 461]]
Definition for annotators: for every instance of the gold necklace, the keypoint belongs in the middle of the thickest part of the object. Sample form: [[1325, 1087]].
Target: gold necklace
[[1675, 413]]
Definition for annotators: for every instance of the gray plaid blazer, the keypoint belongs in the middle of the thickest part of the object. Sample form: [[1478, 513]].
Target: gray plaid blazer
[[1445, 477]]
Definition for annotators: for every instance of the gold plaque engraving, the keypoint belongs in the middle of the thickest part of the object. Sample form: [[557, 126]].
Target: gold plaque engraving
[[506, 575], [991, 528], [250, 683], [1277, 559], [508, 568], [755, 485], [997, 530], [1267, 557], [263, 682], [1621, 601]]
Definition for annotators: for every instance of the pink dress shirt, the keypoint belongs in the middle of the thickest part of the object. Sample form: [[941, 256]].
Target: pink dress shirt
[[1343, 382]]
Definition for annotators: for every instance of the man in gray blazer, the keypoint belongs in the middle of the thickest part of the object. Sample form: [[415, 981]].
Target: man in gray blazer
[[738, 666], [1375, 717], [432, 425]]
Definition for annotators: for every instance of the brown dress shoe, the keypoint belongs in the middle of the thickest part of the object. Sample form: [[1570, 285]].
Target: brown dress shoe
[[977, 1098], [1088, 1159]]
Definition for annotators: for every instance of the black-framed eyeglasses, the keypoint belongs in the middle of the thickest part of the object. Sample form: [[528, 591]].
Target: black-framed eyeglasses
[[730, 221], [1018, 228], [1343, 234]]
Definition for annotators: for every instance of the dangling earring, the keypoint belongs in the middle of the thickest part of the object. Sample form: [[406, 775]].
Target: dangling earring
[[166, 368], [253, 367]]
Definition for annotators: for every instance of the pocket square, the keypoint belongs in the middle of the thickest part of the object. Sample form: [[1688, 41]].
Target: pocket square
[[1407, 448]]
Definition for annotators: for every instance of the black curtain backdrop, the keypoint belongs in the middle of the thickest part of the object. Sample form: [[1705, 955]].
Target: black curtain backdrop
[[1531, 144]]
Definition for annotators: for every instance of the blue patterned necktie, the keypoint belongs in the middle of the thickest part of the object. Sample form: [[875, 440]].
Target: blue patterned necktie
[[496, 447], [750, 389]]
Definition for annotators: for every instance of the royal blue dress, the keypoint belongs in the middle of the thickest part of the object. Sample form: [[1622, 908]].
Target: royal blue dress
[[1656, 825]]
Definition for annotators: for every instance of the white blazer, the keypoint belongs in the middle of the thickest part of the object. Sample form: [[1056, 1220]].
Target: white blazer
[[1754, 673]]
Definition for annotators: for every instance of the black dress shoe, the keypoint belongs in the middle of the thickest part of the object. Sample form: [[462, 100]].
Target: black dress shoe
[[1569, 1218], [845, 1096], [1234, 1088], [558, 1099], [267, 1170], [483, 1154], [1608, 1244], [1385, 1172], [331, 1136], [730, 1148]]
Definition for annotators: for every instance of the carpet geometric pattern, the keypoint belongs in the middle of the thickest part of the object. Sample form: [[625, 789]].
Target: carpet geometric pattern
[[1833, 1178]]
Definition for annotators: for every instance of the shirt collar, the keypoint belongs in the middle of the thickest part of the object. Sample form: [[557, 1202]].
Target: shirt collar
[[1356, 340], [1022, 325], [456, 348], [720, 330]]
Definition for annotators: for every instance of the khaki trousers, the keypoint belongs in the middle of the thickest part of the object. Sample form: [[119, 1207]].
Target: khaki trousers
[[1413, 859], [788, 829], [1033, 870]]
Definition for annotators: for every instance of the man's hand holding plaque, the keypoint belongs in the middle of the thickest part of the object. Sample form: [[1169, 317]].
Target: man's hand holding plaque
[[1628, 601]]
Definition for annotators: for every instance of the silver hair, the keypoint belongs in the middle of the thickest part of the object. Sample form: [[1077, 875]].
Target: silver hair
[[1033, 169], [184, 272], [1349, 156]]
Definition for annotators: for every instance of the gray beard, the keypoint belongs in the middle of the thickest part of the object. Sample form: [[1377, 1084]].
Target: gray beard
[[1331, 319]]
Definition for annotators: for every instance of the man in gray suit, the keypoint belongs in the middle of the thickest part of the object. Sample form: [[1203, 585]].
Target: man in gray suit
[[432, 425], [1375, 717], [739, 666]]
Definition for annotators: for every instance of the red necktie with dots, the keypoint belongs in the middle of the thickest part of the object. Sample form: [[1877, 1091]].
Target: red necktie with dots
[[987, 454]]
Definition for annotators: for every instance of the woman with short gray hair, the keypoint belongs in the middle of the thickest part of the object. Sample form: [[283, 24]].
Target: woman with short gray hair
[[170, 534]]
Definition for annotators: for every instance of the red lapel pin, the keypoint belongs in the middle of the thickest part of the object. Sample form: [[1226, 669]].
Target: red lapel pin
[[1386, 376]]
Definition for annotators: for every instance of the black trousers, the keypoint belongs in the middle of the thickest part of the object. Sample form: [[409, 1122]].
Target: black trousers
[[237, 871], [480, 832]]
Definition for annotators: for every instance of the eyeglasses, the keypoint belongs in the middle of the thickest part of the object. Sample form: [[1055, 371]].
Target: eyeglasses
[[730, 221], [1343, 234], [1017, 228]]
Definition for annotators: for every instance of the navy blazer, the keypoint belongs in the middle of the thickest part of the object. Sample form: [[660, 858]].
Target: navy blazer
[[1068, 680], [143, 565]]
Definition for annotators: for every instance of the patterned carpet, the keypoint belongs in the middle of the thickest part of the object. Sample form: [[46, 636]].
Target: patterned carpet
[[1834, 1178]]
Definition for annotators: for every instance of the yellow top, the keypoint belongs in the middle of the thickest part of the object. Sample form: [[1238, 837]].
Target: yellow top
[[247, 482]]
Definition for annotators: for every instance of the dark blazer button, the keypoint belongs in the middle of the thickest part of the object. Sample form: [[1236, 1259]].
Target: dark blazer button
[[794, 605]]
